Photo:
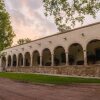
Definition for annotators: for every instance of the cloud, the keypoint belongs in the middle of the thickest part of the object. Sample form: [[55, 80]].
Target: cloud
[[14, 4], [34, 4], [27, 21], [20, 4]]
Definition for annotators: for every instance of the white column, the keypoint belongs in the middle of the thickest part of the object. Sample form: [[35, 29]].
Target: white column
[[0, 62], [67, 63], [1, 67], [40, 60], [23, 61], [31, 60], [6, 62], [11, 61], [16, 61], [85, 57], [52, 59]]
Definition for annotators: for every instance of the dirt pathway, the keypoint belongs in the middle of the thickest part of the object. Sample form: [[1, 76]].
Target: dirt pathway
[[11, 90]]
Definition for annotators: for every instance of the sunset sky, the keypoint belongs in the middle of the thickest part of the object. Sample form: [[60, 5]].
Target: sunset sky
[[28, 20]]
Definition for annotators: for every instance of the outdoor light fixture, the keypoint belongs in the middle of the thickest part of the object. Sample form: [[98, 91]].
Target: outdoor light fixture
[[65, 38], [23, 49], [83, 34], [50, 42], [39, 44], [30, 46]]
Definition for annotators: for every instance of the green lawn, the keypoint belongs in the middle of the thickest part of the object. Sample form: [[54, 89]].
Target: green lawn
[[37, 78]]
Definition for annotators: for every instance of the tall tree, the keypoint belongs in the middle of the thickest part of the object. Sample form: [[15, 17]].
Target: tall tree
[[22, 41], [67, 12], [6, 31]]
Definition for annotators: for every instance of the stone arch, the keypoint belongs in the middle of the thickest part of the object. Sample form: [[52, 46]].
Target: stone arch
[[14, 60], [93, 51], [75, 54], [27, 59], [3, 62], [9, 61], [20, 59], [35, 58], [46, 57], [59, 56]]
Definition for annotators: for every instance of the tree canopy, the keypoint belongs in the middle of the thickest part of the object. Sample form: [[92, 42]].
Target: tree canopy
[[22, 41], [67, 12], [6, 31]]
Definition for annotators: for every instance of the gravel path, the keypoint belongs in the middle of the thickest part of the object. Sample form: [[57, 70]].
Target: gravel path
[[12, 90]]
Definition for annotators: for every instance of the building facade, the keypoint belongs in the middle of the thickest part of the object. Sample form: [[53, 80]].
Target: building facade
[[80, 46]]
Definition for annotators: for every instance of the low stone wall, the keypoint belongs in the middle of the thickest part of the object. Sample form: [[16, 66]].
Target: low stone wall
[[92, 71]]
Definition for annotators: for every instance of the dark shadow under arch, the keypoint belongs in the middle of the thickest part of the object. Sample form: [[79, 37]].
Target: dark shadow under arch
[[9, 61], [46, 57], [3, 62], [93, 52], [20, 60], [35, 58], [75, 54], [59, 56], [27, 59], [14, 60]]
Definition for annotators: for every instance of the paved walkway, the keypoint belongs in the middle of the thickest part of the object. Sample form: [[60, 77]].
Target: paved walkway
[[12, 90]]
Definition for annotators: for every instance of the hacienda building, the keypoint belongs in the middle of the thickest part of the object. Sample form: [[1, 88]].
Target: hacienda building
[[80, 46]]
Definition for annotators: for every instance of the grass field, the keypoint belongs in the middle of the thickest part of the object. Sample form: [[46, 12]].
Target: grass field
[[46, 79]]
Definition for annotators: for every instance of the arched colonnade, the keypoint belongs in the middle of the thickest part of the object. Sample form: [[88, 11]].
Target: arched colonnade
[[76, 55]]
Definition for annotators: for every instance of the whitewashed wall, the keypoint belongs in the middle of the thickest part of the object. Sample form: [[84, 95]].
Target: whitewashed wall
[[81, 35]]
